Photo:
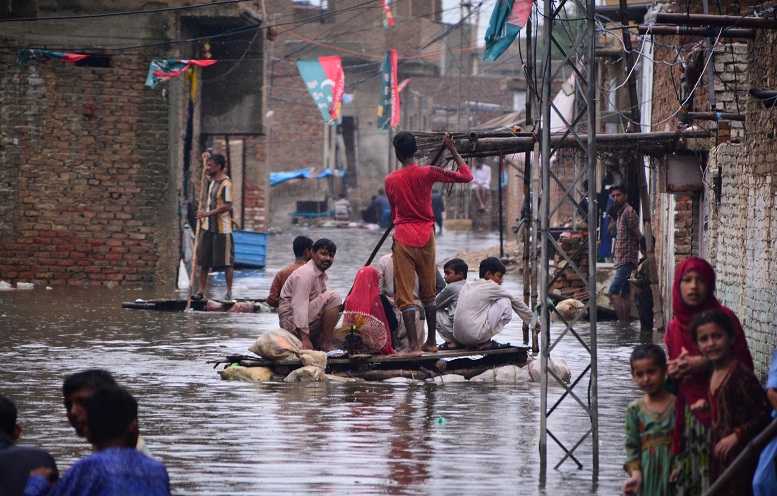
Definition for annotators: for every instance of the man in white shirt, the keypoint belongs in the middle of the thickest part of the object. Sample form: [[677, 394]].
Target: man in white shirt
[[481, 183]]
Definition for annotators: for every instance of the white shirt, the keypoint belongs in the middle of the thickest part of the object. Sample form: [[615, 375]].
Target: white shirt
[[481, 176], [471, 325]]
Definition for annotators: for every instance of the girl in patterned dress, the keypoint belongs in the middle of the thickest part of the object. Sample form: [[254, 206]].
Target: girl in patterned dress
[[649, 426]]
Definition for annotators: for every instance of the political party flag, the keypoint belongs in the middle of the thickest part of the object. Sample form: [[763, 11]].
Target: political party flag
[[388, 109], [325, 81], [403, 84], [507, 19], [388, 18], [24, 55], [162, 70]]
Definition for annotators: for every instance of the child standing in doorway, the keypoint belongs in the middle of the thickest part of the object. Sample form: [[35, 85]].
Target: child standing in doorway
[[649, 425], [738, 404]]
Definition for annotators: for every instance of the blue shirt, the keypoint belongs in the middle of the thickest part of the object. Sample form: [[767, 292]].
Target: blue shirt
[[110, 472]]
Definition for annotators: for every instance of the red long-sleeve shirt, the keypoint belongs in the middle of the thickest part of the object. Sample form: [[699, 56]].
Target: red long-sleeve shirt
[[409, 191]]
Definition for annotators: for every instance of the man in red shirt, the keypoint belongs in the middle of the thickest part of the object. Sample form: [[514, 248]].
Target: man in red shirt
[[409, 191]]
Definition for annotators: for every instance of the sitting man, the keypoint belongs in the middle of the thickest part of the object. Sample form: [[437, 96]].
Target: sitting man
[[307, 309], [303, 251], [16, 462], [447, 300], [116, 467], [484, 308]]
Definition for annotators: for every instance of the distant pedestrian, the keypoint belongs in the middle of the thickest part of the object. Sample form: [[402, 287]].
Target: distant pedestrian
[[438, 207], [625, 253], [343, 208], [649, 425], [215, 247], [17, 461], [481, 184], [369, 214], [612, 178], [643, 293], [382, 208]]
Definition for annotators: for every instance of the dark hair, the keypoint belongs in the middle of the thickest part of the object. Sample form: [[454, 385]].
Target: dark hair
[[404, 145], [90, 378], [381, 191], [219, 160], [493, 265], [457, 265], [109, 410], [7, 416], [326, 244], [620, 188], [648, 351], [716, 316], [613, 210], [300, 244]]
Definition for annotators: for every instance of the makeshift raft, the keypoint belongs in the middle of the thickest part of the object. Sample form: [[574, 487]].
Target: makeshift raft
[[467, 362], [257, 306]]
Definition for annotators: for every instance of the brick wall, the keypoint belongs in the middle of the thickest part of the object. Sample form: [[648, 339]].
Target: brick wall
[[84, 164], [741, 226]]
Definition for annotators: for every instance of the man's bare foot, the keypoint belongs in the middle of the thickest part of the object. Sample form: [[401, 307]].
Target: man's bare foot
[[429, 348], [410, 352]]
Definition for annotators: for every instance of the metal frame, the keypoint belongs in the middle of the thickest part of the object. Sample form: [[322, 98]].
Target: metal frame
[[581, 59]]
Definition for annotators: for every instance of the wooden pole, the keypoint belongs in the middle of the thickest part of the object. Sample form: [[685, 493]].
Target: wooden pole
[[196, 236], [658, 304]]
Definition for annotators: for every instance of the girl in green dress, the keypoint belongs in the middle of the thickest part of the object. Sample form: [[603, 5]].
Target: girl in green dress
[[649, 426]]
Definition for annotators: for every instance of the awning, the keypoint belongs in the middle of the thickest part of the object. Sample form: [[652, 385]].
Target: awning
[[308, 173]]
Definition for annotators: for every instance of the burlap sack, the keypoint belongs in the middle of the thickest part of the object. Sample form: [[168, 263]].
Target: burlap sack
[[276, 344]]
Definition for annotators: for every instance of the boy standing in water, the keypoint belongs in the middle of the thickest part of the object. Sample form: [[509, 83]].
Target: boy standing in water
[[409, 192]]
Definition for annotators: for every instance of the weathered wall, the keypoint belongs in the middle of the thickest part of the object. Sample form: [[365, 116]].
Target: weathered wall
[[738, 238], [84, 158]]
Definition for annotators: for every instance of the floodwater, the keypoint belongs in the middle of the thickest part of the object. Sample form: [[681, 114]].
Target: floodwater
[[219, 437]]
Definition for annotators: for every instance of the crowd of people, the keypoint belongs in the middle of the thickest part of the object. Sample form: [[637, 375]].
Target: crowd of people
[[106, 415], [703, 404]]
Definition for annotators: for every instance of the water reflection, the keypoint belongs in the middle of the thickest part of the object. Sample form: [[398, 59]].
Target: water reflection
[[220, 437]]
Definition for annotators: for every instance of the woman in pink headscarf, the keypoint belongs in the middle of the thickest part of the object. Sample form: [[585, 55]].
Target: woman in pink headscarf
[[693, 292], [364, 298]]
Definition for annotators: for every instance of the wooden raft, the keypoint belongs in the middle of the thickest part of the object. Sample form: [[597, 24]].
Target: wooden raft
[[179, 305], [467, 363]]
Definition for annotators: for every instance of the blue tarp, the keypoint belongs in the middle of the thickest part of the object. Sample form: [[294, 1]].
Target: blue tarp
[[279, 177]]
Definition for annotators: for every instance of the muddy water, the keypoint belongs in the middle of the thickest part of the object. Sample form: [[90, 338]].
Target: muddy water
[[220, 437]]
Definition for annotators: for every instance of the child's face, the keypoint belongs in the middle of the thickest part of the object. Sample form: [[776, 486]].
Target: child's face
[[648, 376], [451, 276], [497, 277], [693, 289], [713, 342]]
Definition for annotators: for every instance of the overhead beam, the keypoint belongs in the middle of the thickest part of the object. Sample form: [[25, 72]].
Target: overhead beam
[[717, 20], [701, 32]]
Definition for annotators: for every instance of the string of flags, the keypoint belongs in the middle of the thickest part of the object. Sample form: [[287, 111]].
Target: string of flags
[[388, 17], [25, 55], [507, 20], [162, 70]]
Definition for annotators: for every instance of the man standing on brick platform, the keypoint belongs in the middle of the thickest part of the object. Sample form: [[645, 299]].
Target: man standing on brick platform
[[625, 253], [215, 247], [409, 192]]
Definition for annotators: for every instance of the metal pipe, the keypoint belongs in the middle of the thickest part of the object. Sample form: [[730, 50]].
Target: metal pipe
[[717, 20], [716, 116], [696, 31]]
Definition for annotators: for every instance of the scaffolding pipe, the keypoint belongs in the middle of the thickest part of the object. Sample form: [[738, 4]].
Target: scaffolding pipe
[[696, 31], [717, 20]]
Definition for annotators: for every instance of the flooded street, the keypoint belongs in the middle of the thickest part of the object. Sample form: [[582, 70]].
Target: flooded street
[[219, 437]]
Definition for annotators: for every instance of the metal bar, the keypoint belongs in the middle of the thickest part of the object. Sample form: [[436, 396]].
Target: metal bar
[[696, 31], [717, 20], [501, 213], [716, 116], [568, 452]]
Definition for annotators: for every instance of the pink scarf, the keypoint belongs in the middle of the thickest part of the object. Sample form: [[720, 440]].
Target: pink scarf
[[365, 298]]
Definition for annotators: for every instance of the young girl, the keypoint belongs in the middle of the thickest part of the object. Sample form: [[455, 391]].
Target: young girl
[[738, 405], [649, 425]]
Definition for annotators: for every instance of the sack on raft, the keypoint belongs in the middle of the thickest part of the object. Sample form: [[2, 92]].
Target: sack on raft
[[508, 373], [276, 344], [306, 374], [558, 366], [242, 307], [314, 358], [250, 374]]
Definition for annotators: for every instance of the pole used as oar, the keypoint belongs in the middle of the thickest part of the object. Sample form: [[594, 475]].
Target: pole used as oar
[[197, 232]]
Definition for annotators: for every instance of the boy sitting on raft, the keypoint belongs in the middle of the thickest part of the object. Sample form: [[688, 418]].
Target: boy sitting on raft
[[455, 278], [484, 308]]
